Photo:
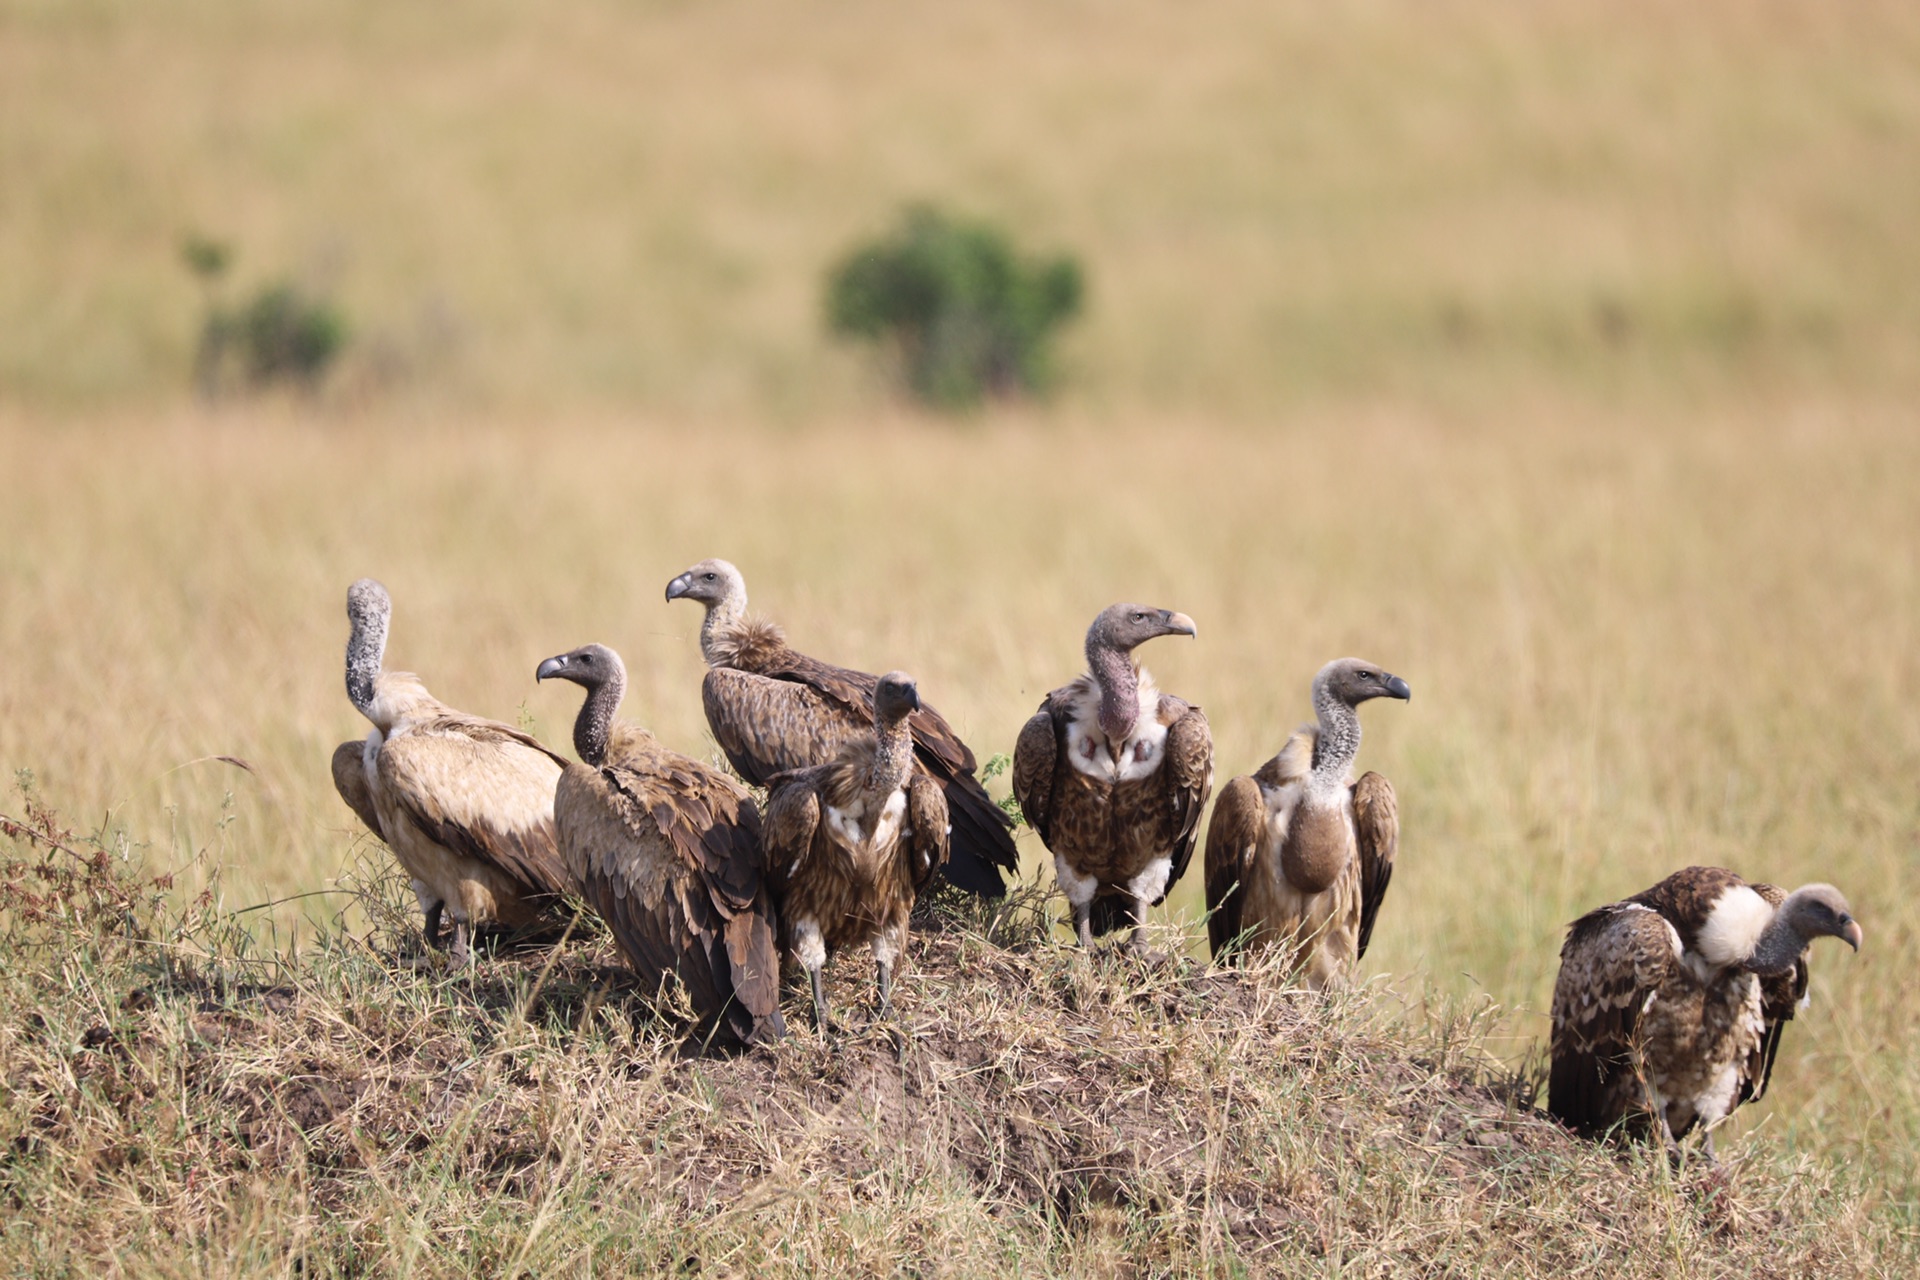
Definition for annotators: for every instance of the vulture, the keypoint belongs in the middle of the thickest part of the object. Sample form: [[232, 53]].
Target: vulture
[[1299, 854], [1113, 774], [773, 709], [465, 804], [851, 842], [667, 850], [1669, 1006]]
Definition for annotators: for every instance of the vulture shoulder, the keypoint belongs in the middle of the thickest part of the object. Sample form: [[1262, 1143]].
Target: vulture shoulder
[[1189, 776], [793, 818], [482, 789], [1614, 958], [1376, 827], [1036, 755], [350, 780], [1233, 839]]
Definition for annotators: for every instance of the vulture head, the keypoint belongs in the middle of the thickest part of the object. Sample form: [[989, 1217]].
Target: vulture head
[[599, 670], [711, 582], [1122, 627], [1809, 912], [1355, 680], [368, 608], [895, 698]]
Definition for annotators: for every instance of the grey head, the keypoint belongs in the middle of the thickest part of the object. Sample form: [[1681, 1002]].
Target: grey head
[[1122, 627], [600, 672], [1809, 912], [895, 697], [1353, 681], [711, 582], [368, 610], [591, 666]]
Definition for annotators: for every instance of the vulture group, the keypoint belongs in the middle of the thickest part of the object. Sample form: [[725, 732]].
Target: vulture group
[[853, 796]]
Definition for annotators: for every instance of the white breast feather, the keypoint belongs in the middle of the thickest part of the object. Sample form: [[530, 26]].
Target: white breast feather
[[1087, 745], [844, 825]]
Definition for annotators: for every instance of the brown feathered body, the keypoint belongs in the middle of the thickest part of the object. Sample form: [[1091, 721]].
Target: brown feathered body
[[850, 844], [1655, 1015], [1120, 816], [773, 710], [466, 805], [1300, 862], [668, 851]]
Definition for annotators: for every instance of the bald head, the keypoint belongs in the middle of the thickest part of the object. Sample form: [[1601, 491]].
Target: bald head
[[1122, 627], [591, 665], [712, 583], [896, 696], [1355, 680]]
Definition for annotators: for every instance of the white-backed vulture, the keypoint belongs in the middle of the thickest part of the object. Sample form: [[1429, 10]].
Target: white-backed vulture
[[773, 709], [852, 842], [668, 851], [1299, 854], [465, 804], [1669, 1006], [1113, 774]]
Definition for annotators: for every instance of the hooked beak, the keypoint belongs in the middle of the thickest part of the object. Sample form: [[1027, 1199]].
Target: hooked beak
[[1179, 624], [679, 587], [551, 667], [1397, 688], [1853, 935]]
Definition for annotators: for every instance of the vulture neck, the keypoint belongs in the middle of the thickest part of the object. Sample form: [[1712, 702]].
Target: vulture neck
[[595, 721], [366, 650], [1780, 946], [893, 760], [1339, 740], [716, 629], [1119, 680]]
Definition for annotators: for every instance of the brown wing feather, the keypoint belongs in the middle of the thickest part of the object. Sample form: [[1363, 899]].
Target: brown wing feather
[[1036, 754], [1613, 959], [1189, 774], [1376, 824], [481, 789], [1232, 839], [767, 726], [793, 815], [928, 820], [350, 780]]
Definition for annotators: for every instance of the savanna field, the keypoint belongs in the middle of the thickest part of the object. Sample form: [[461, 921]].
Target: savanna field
[[1562, 362]]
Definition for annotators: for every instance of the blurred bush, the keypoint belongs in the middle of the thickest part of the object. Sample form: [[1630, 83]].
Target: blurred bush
[[281, 335], [960, 310]]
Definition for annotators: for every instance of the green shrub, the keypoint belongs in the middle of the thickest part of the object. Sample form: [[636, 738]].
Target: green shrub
[[282, 334], [964, 314]]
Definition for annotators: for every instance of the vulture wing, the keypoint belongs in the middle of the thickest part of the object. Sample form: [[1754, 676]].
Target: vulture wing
[[932, 834], [793, 815], [1780, 997], [1238, 818], [1376, 825], [350, 780], [1613, 960], [481, 789], [1036, 754], [1189, 771], [720, 942], [791, 712]]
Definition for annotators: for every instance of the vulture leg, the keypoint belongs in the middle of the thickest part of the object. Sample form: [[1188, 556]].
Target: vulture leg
[[819, 999], [886, 950], [1706, 1146], [434, 913], [1083, 923], [1138, 942], [462, 952], [886, 988]]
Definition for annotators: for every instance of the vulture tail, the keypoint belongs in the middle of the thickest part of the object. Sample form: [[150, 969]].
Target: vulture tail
[[982, 840], [1110, 914]]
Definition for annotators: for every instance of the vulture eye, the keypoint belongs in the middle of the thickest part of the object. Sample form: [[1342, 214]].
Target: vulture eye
[[707, 576]]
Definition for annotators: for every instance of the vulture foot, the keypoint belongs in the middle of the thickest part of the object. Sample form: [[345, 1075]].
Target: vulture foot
[[462, 949], [819, 1001], [886, 990], [1083, 924], [432, 925]]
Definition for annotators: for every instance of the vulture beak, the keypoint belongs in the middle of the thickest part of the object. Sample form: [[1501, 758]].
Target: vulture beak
[[551, 667], [678, 587], [1179, 624], [1853, 935], [1397, 688], [913, 700]]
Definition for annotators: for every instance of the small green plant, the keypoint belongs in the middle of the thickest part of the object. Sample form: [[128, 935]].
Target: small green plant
[[282, 334], [963, 312]]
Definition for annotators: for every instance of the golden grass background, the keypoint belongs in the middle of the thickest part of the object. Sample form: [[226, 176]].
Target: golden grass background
[[1560, 361]]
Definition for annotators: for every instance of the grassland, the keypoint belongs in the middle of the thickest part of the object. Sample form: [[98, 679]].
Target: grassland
[[1561, 361]]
